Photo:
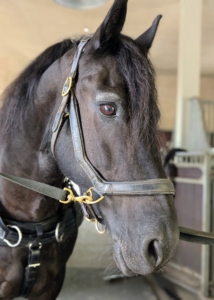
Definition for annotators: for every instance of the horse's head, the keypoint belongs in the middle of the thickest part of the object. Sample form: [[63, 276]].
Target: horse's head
[[116, 94]]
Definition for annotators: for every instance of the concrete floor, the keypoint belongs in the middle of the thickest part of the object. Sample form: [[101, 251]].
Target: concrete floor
[[174, 292], [90, 284]]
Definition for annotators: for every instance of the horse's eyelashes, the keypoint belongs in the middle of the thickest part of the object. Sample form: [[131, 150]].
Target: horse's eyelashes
[[108, 110]]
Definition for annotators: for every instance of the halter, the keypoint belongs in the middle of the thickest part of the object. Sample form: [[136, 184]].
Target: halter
[[100, 186]]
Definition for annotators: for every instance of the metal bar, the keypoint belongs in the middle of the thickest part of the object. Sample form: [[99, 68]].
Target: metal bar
[[212, 125], [189, 165], [198, 153], [208, 102], [206, 225], [188, 180]]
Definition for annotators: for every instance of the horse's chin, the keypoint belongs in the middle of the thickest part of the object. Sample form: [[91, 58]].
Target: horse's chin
[[122, 265]]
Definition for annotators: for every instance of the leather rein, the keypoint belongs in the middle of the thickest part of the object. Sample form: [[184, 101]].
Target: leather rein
[[69, 108]]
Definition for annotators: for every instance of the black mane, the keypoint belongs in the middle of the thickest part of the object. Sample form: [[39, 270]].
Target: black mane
[[19, 94], [133, 65]]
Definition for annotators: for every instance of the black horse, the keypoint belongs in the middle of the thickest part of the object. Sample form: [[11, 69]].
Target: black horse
[[116, 97]]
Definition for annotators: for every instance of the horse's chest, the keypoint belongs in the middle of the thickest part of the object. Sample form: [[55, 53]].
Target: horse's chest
[[11, 272]]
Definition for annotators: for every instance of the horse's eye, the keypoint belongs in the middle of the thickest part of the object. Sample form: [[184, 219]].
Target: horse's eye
[[108, 110]]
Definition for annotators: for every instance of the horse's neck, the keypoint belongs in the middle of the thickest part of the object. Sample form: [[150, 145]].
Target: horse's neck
[[27, 153]]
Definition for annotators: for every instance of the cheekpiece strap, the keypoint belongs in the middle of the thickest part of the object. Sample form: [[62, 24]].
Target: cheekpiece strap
[[69, 81], [77, 55], [61, 114]]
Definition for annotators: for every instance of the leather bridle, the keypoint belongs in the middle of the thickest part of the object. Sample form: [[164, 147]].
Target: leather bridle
[[69, 108], [100, 186]]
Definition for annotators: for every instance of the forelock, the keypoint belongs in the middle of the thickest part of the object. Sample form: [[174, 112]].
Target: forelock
[[139, 77]]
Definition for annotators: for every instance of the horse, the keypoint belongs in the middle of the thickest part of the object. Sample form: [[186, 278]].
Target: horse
[[111, 114]]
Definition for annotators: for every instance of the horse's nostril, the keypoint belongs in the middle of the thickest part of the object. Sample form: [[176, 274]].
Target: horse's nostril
[[155, 252], [152, 250]]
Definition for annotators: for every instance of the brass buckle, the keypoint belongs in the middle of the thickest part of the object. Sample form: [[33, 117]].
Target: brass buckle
[[31, 245], [70, 196], [67, 86]]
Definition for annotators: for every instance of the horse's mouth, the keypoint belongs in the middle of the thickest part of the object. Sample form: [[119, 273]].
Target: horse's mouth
[[126, 269], [122, 265], [133, 267]]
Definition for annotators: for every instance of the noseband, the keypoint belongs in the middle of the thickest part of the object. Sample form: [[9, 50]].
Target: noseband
[[69, 108]]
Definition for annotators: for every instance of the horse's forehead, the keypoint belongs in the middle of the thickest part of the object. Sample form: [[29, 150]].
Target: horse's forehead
[[101, 71]]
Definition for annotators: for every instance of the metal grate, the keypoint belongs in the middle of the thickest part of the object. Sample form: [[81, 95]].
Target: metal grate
[[208, 114], [194, 200]]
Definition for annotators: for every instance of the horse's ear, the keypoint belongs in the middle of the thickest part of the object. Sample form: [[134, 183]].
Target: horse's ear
[[148, 36], [107, 34]]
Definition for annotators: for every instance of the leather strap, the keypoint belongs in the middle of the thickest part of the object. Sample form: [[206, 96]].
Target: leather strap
[[50, 229], [4, 230], [31, 271], [77, 55], [58, 122], [39, 187]]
